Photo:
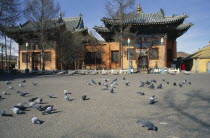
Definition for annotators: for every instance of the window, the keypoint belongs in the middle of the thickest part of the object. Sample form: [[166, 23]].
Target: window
[[115, 56], [24, 55], [47, 56], [153, 54], [92, 58], [132, 54]]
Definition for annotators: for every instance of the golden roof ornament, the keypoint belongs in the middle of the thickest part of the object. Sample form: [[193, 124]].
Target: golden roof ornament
[[139, 9]]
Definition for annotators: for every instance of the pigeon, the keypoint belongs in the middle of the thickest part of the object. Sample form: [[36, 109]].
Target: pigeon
[[38, 101], [105, 86], [185, 81], [112, 90], [89, 83], [2, 112], [4, 92], [35, 120], [190, 83], [152, 99], [33, 99], [163, 80], [99, 83], [66, 92], [123, 78], [106, 80], [17, 91], [16, 110], [50, 95], [31, 104], [84, 97], [10, 87], [141, 93], [23, 81], [180, 85], [115, 83], [48, 110], [37, 107], [112, 85], [174, 84], [66, 98], [34, 83], [160, 86], [23, 93], [167, 82], [93, 82], [142, 84], [127, 83], [114, 80], [151, 86], [21, 104], [22, 108], [21, 85], [8, 82], [147, 82], [149, 125], [153, 81]]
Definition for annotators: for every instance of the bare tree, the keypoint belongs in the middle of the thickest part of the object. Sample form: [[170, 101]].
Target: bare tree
[[41, 13], [117, 10], [10, 11]]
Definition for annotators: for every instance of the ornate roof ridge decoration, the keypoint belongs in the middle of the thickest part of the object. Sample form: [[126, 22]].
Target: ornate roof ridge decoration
[[139, 9], [184, 26], [101, 29], [146, 19]]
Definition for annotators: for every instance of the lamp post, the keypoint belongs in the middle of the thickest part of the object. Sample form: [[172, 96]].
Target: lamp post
[[26, 70], [162, 69], [129, 68]]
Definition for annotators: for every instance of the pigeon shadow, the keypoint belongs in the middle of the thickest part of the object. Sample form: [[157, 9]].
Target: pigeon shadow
[[2, 98], [86, 99], [9, 115], [53, 97], [71, 100], [44, 103]]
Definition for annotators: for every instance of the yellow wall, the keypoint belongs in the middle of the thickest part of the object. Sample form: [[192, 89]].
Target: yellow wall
[[202, 65], [106, 56], [49, 65]]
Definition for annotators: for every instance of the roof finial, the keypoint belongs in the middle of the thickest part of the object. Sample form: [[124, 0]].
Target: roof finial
[[139, 9]]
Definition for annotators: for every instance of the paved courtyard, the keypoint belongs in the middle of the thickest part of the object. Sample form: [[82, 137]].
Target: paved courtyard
[[178, 113]]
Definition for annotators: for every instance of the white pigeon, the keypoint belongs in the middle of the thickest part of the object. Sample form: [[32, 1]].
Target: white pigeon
[[38, 101], [152, 99], [16, 110], [48, 110], [32, 104], [20, 85], [4, 92], [35, 120], [10, 87], [65, 92], [66, 98]]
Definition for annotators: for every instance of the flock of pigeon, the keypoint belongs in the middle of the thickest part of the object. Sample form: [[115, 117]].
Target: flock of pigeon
[[149, 84], [34, 102], [106, 85]]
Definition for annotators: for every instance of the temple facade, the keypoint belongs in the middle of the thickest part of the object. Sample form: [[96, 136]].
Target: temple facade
[[152, 41], [27, 33]]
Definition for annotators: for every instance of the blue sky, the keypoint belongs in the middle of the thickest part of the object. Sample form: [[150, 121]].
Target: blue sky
[[197, 10]]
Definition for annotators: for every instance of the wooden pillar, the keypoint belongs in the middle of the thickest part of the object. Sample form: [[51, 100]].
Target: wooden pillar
[[165, 50]]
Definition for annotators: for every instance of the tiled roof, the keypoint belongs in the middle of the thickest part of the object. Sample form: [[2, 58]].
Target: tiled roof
[[147, 19], [203, 53], [101, 29], [184, 26]]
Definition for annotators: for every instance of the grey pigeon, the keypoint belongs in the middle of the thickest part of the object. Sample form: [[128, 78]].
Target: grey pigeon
[[84, 97], [50, 95], [22, 108], [35, 120], [31, 104], [34, 83], [37, 107], [93, 82], [160, 86], [114, 80], [99, 83], [151, 86], [141, 93], [66, 92], [23, 93], [142, 84], [45, 107], [174, 83], [105, 86], [33, 99], [112, 90], [163, 80], [2, 112], [17, 91], [149, 125], [21, 85], [123, 78], [23, 81], [167, 82], [89, 83], [8, 82], [66, 98], [152, 99], [190, 83], [48, 110], [21, 104], [39, 100], [10, 87], [180, 85], [147, 82], [16, 110], [127, 83]]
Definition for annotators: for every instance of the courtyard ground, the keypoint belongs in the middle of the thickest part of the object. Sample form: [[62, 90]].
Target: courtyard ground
[[178, 113]]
